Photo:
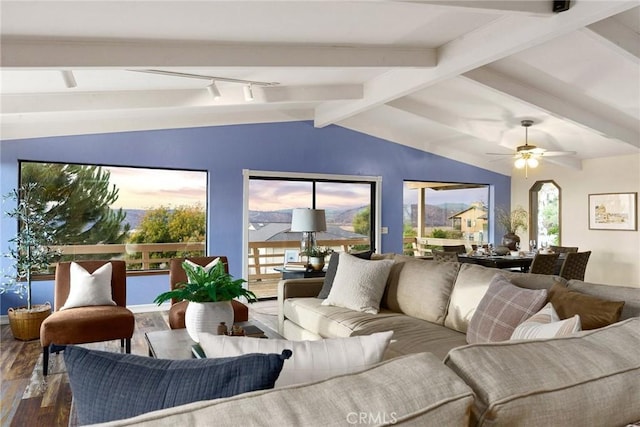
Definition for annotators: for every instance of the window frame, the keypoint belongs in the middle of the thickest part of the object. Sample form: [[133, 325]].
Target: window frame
[[148, 272], [376, 205], [534, 190]]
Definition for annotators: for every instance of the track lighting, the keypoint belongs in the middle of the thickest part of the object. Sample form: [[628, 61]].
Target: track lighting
[[248, 93], [213, 90], [69, 79]]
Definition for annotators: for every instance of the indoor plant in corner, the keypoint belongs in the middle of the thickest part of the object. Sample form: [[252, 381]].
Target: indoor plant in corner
[[209, 293], [512, 222], [31, 253]]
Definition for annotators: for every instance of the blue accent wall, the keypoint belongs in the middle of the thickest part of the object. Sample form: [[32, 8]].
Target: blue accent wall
[[224, 151]]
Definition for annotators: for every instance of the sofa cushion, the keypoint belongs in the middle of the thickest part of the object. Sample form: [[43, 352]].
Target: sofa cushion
[[111, 386], [630, 296], [420, 288], [89, 289], [329, 321], [590, 378], [473, 281], [359, 284], [386, 394], [546, 324], [503, 307], [594, 312], [311, 360], [332, 268]]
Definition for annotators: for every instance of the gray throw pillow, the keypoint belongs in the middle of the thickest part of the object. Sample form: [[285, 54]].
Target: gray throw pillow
[[330, 275], [112, 386]]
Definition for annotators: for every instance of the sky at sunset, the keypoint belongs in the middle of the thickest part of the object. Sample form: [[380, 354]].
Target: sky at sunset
[[141, 188]]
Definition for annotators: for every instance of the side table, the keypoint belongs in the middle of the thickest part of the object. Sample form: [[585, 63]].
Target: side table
[[300, 274]]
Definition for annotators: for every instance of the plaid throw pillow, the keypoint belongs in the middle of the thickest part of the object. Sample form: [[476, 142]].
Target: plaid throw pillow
[[502, 308]]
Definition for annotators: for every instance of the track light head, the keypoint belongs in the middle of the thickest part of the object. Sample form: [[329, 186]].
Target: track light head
[[248, 93], [214, 91], [69, 79]]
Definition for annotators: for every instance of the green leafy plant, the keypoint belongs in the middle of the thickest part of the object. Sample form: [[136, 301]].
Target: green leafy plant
[[317, 251], [512, 221], [30, 248], [207, 286]]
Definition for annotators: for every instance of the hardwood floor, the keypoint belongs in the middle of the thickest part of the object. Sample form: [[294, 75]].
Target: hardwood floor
[[27, 399]]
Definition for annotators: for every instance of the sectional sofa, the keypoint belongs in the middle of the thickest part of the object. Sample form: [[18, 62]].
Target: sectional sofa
[[432, 377]]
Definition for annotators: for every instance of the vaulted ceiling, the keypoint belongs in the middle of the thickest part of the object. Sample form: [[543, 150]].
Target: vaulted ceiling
[[454, 78]]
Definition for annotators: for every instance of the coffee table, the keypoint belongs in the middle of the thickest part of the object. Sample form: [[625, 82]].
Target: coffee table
[[177, 344]]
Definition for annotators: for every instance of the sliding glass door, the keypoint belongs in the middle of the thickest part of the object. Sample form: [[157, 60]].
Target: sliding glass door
[[349, 209]]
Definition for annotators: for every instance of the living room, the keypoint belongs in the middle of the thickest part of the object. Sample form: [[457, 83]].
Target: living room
[[424, 100]]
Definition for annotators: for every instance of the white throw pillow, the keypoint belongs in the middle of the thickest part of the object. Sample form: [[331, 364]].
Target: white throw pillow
[[546, 324], [87, 289], [359, 284], [311, 360], [206, 268]]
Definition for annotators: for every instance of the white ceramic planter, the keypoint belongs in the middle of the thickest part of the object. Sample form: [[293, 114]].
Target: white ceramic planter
[[206, 316], [317, 263]]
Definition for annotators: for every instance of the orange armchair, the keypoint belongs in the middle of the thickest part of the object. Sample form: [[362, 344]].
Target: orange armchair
[[178, 275], [95, 323]]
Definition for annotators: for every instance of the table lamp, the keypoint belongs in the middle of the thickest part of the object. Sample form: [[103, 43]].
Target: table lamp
[[308, 221]]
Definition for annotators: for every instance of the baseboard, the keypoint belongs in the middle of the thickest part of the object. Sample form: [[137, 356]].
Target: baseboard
[[141, 308]]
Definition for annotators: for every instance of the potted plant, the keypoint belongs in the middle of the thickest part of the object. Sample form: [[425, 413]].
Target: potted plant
[[317, 256], [512, 222], [30, 251], [209, 293]]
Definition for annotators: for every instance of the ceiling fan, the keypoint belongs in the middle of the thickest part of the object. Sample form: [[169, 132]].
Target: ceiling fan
[[528, 155]]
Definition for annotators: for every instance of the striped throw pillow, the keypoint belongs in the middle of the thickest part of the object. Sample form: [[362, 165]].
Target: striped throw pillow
[[546, 324]]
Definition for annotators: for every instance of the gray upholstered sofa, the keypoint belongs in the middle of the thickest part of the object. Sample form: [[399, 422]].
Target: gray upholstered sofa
[[431, 376], [427, 304]]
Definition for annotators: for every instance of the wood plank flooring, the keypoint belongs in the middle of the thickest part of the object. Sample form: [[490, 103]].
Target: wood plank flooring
[[28, 399]]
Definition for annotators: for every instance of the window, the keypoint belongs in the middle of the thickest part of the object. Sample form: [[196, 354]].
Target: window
[[350, 209], [544, 205], [441, 213], [144, 216]]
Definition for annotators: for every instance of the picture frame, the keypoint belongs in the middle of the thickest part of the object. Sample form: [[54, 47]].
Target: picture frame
[[291, 255], [613, 211]]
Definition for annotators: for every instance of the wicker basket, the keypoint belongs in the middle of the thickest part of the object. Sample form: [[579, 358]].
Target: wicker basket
[[25, 324]]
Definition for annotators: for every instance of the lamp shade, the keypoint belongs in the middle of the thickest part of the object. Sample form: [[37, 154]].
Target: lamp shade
[[304, 219]]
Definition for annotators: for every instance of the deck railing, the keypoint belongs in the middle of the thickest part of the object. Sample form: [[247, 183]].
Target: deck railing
[[262, 257]]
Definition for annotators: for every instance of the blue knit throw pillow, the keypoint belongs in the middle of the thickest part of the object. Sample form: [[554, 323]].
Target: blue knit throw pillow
[[112, 386]]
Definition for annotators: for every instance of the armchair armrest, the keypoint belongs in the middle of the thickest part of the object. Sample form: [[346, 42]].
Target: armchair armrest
[[296, 288]]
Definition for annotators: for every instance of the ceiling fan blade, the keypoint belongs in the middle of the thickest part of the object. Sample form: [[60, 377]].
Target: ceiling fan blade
[[500, 154], [558, 153]]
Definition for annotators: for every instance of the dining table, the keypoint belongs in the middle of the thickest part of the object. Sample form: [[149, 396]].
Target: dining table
[[521, 262]]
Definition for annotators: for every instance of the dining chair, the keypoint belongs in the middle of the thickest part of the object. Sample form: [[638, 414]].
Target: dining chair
[[544, 263], [563, 249], [459, 249], [87, 324], [574, 265], [178, 275], [444, 256]]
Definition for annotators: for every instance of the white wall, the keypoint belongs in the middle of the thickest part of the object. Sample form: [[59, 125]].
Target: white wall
[[615, 255]]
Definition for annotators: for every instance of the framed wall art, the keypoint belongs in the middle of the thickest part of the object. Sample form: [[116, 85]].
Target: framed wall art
[[613, 211]]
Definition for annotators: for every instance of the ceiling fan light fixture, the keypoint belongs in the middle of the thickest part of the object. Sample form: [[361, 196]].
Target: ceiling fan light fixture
[[532, 162], [214, 91], [248, 93], [520, 163]]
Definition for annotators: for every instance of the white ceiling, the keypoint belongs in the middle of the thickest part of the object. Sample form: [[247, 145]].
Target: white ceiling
[[453, 78]]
